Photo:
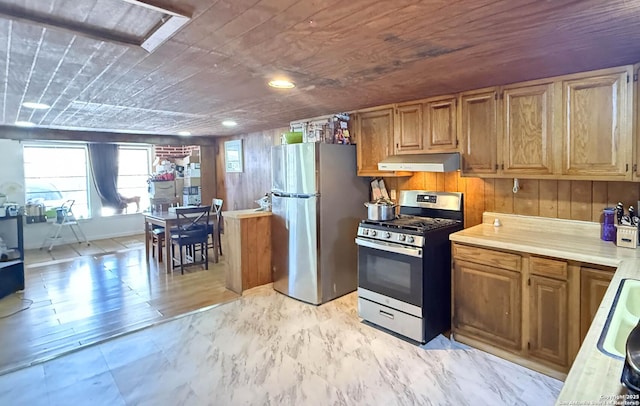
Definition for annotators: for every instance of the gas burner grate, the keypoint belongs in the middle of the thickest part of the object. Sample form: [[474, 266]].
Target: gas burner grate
[[413, 223]]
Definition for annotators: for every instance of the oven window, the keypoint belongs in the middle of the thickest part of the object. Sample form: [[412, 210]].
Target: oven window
[[390, 274]]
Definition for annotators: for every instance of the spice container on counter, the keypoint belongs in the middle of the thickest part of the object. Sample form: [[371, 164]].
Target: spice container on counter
[[609, 225]]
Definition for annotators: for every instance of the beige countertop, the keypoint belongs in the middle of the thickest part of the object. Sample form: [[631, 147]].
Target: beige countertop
[[244, 214], [594, 376]]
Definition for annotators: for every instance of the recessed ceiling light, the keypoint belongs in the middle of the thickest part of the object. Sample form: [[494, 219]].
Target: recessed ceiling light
[[184, 133], [281, 84], [37, 106], [229, 123], [25, 124]]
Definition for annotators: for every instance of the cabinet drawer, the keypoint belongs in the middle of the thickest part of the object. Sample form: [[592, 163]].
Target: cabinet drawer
[[484, 256], [548, 267]]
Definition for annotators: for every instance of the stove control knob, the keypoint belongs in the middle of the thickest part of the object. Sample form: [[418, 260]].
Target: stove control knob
[[411, 239], [387, 235], [373, 233], [401, 237], [365, 232]]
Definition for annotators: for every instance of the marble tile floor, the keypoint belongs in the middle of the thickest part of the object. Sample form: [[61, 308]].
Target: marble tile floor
[[267, 349]]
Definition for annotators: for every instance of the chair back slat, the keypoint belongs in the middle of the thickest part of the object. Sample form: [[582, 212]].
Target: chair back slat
[[216, 205], [193, 218]]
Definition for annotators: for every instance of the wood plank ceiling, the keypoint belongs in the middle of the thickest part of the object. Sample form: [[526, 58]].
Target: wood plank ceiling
[[343, 55]]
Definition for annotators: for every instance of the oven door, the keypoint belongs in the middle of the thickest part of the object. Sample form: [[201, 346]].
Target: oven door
[[392, 270]]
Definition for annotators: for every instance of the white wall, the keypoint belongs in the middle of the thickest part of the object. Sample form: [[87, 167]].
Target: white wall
[[12, 171]]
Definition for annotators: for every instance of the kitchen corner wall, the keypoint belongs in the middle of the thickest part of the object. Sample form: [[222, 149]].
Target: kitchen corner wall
[[240, 190], [575, 200]]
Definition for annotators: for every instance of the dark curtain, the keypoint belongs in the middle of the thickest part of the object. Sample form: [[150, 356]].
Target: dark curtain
[[104, 166]]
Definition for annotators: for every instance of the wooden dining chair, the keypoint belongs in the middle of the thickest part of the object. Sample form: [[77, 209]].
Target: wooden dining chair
[[191, 236], [157, 241], [216, 211]]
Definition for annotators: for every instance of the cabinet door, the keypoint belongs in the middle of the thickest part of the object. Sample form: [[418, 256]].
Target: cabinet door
[[596, 127], [478, 120], [487, 304], [527, 129], [440, 119], [408, 134], [375, 137], [548, 320], [593, 285]]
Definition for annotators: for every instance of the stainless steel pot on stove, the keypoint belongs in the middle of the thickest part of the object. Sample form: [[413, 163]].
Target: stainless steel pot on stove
[[381, 210]]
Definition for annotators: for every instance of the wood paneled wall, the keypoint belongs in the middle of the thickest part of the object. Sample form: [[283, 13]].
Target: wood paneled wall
[[575, 200], [240, 190]]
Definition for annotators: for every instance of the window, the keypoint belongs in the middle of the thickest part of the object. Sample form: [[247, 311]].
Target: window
[[57, 173], [134, 166]]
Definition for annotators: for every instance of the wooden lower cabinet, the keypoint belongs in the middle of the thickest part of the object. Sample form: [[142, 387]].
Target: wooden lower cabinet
[[246, 244], [479, 311], [548, 322], [531, 310], [593, 285]]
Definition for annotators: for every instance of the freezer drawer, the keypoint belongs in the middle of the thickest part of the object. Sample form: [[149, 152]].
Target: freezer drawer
[[294, 169], [392, 319]]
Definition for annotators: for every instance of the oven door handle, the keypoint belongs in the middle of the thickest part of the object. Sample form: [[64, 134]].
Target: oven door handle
[[383, 246]]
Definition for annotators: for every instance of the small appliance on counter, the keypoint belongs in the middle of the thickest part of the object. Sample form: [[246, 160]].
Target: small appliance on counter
[[264, 202], [9, 210], [627, 236], [35, 213], [626, 226]]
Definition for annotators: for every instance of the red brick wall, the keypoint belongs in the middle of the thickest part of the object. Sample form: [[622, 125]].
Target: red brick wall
[[175, 151]]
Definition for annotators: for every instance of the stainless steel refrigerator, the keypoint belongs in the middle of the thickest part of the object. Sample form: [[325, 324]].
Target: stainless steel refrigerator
[[317, 202]]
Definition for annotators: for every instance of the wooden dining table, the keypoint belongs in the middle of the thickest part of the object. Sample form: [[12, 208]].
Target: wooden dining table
[[168, 220]]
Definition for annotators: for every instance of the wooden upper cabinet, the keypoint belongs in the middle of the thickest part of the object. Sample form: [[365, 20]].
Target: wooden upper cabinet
[[597, 124], [478, 132], [548, 320], [440, 122], [527, 130], [408, 131], [593, 286], [374, 131]]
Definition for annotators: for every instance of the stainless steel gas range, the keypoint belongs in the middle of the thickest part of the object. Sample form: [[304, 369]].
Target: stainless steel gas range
[[404, 265]]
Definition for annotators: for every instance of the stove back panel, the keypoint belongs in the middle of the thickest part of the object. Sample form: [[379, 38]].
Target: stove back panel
[[447, 205]]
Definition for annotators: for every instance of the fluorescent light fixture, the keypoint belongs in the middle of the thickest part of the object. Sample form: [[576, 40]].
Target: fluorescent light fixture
[[36, 106], [184, 133], [25, 124], [170, 26], [281, 84], [229, 123]]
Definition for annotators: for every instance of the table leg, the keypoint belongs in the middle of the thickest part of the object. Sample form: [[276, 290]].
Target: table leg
[[168, 258], [214, 237], [147, 239]]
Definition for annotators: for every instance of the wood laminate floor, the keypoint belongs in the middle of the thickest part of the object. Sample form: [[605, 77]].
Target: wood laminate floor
[[66, 252], [83, 300]]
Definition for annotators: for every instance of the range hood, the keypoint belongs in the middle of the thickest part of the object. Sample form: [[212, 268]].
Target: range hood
[[421, 163]]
